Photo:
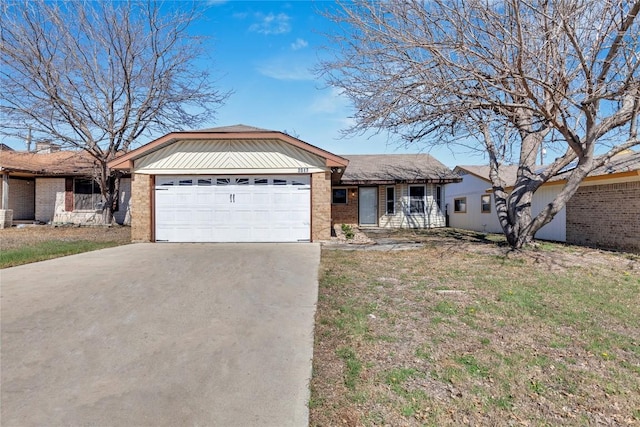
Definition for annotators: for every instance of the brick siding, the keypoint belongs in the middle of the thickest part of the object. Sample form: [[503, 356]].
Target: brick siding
[[606, 216], [141, 208], [346, 213], [49, 198], [321, 206], [21, 198]]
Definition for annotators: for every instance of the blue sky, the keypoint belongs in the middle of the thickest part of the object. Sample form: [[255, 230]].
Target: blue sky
[[265, 51]]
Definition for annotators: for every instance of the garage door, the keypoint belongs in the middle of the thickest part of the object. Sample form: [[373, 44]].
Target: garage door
[[233, 208]]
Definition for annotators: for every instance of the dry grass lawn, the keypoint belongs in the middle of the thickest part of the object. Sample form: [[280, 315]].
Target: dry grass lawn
[[37, 243], [461, 332]]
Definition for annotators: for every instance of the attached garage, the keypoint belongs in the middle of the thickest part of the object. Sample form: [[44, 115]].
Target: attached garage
[[230, 184], [233, 208]]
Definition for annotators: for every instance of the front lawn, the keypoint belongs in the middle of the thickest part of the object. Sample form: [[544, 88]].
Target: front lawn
[[462, 333], [38, 243]]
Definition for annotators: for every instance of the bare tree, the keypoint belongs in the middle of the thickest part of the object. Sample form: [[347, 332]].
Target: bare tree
[[95, 76], [507, 76]]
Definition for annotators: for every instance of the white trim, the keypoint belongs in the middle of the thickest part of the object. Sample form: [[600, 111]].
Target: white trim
[[290, 171], [386, 200]]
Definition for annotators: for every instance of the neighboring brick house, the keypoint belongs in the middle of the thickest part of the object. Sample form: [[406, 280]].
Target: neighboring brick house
[[54, 186], [604, 212]]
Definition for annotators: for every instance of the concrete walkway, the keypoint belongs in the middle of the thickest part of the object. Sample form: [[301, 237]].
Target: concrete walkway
[[160, 335]]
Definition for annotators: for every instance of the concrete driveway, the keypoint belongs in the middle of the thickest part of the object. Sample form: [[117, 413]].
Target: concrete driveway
[[160, 334]]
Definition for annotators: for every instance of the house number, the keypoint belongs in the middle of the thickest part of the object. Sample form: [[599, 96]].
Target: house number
[[303, 170]]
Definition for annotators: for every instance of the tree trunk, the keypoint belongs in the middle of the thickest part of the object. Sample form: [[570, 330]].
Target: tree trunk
[[112, 197]]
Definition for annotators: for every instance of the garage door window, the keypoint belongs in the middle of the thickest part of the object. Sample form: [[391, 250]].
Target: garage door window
[[186, 182], [261, 181], [279, 182], [204, 181]]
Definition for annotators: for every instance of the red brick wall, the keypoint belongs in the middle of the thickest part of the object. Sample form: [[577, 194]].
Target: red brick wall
[[346, 213], [606, 216]]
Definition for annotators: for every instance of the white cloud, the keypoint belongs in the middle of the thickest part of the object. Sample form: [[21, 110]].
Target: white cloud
[[299, 44], [271, 24], [330, 102], [285, 69]]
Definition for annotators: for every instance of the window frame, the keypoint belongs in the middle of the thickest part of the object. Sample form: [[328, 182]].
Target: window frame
[[95, 197], [455, 205], [483, 204], [391, 201], [423, 200], [333, 196]]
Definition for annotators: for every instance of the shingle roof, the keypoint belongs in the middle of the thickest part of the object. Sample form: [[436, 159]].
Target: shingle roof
[[395, 168], [56, 163], [507, 172], [627, 161], [623, 162]]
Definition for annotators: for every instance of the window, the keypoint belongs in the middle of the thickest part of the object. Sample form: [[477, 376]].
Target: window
[[485, 203], [439, 196], [86, 195], [339, 196], [277, 181], [204, 181], [261, 181], [460, 205], [391, 200], [416, 200], [185, 182]]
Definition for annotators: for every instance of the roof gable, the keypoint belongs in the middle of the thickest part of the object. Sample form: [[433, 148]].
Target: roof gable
[[226, 155], [238, 133]]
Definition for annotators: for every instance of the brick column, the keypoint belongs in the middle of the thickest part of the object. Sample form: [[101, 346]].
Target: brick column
[[140, 206], [320, 206]]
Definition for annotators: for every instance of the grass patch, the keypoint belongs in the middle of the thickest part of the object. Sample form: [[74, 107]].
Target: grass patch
[[353, 367], [472, 335], [48, 250]]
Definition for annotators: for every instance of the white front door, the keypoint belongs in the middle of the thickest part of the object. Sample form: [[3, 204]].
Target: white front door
[[368, 205], [233, 208]]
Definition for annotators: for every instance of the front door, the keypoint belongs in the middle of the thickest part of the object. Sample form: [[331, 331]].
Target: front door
[[368, 205]]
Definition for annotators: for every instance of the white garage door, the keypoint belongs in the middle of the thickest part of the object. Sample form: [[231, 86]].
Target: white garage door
[[233, 208]]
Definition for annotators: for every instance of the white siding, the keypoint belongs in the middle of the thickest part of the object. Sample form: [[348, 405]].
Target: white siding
[[557, 228], [473, 188], [432, 218]]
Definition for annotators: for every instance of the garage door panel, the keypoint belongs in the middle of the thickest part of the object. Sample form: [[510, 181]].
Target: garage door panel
[[233, 208]]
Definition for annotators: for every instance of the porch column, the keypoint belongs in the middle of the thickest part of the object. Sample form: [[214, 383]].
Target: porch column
[[5, 191], [6, 215]]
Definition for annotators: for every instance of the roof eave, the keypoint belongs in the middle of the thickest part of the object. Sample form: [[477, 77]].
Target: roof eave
[[126, 161]]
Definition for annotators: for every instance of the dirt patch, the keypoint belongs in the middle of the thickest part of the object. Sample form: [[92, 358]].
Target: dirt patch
[[17, 237]]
